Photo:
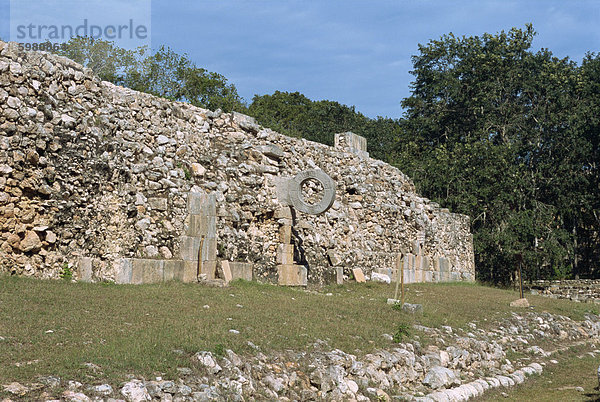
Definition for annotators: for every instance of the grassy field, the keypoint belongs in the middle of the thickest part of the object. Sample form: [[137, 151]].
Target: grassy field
[[57, 327]]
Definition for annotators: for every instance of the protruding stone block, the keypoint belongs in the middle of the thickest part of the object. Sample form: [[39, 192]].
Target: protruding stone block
[[285, 234], [226, 271], [285, 254], [359, 276], [189, 248], [292, 275], [241, 270], [201, 225], [334, 258], [272, 151], [84, 268], [284, 212], [202, 204], [339, 275]]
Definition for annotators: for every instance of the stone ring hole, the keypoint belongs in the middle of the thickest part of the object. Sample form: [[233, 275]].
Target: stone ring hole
[[312, 191]]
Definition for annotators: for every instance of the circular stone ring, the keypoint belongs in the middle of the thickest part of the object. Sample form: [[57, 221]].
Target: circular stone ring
[[295, 192]]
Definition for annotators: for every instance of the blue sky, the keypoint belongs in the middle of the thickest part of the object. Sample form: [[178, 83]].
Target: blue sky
[[357, 52]]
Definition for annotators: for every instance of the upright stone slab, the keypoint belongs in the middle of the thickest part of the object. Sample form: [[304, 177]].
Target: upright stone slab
[[359, 275], [226, 271], [292, 275], [339, 275], [285, 254], [84, 268], [241, 270]]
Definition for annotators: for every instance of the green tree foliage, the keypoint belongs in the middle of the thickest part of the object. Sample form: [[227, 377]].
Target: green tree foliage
[[163, 73], [294, 114], [499, 136]]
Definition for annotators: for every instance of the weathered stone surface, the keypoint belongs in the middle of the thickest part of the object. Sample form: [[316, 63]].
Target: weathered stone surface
[[359, 276], [519, 303], [162, 164], [30, 242], [438, 377], [226, 271], [85, 269], [241, 270], [292, 275]]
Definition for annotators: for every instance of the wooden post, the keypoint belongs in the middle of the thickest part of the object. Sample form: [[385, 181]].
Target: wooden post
[[402, 287], [520, 258], [399, 272], [199, 270]]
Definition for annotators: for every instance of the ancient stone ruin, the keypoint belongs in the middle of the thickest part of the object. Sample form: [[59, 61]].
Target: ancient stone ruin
[[123, 186]]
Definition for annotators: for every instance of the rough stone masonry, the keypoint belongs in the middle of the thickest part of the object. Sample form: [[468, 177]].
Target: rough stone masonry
[[123, 186]]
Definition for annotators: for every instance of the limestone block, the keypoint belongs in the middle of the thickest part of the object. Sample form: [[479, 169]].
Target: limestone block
[[272, 151], [84, 268], [209, 249], [189, 248], [358, 275], [154, 271], [226, 271], [158, 204], [209, 268], [285, 254], [334, 258], [202, 204], [419, 275], [201, 225], [443, 264], [428, 276], [241, 270], [173, 269], [123, 270], [285, 234], [283, 212], [146, 271], [292, 275], [425, 261], [339, 275], [350, 140], [189, 273]]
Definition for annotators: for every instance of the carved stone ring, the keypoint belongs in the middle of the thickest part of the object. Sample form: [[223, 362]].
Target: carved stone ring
[[295, 192]]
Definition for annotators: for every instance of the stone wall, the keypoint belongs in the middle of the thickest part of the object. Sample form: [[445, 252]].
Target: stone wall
[[128, 187]]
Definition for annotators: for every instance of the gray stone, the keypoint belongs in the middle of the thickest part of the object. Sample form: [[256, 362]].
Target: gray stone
[[438, 377], [295, 192], [412, 308]]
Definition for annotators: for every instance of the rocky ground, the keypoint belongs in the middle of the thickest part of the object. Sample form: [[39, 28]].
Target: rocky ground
[[436, 364]]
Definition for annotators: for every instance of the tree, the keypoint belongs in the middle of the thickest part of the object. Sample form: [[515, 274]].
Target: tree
[[164, 73], [495, 136]]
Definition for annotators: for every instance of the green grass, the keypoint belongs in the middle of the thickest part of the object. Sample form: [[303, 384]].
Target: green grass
[[129, 329]]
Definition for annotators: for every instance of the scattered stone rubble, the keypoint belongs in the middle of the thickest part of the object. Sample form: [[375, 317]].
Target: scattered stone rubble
[[458, 365], [580, 290], [118, 185]]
